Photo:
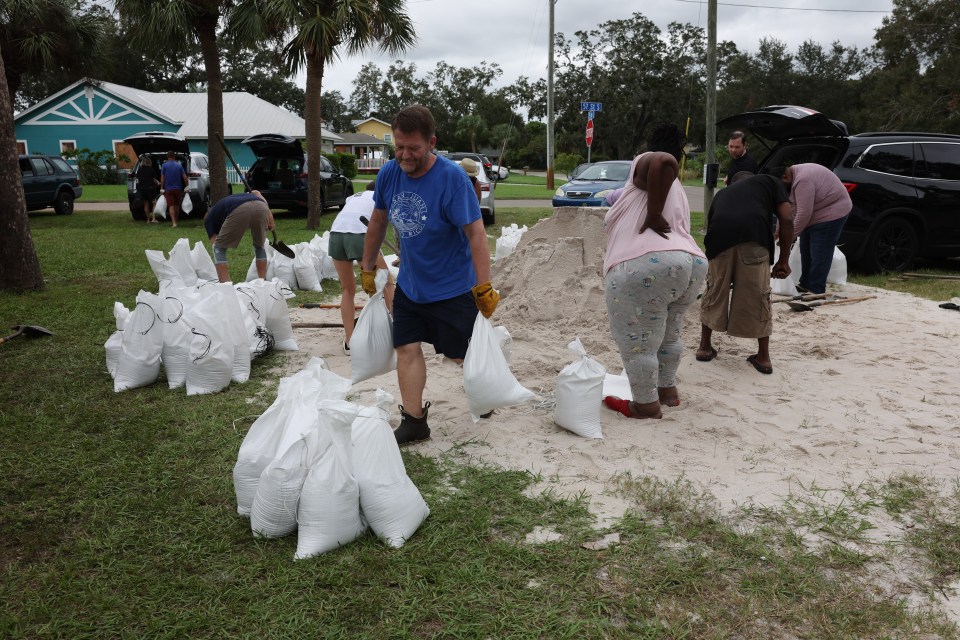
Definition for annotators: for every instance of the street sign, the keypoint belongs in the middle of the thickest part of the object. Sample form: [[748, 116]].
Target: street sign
[[589, 132], [591, 106], [590, 115]]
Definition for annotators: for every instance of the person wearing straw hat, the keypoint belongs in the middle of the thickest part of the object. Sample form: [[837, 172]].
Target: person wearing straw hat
[[470, 166]]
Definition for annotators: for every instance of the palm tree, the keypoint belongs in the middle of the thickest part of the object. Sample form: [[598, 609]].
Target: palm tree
[[158, 24], [35, 35], [313, 32]]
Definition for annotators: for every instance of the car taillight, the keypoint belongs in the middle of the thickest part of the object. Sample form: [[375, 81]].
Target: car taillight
[[850, 186], [485, 186], [193, 174], [302, 176]]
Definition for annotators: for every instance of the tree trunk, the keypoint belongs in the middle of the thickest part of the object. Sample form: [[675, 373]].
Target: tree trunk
[[207, 34], [19, 265], [312, 116]]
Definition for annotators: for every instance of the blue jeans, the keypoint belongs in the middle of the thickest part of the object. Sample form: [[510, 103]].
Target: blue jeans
[[816, 253]]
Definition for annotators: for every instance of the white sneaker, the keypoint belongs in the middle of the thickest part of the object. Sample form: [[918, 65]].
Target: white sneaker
[[346, 349]]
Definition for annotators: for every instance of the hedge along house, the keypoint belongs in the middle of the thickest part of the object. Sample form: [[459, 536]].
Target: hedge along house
[[99, 115]]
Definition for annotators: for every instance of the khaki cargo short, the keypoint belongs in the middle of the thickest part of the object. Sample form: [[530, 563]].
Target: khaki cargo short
[[744, 310], [251, 215]]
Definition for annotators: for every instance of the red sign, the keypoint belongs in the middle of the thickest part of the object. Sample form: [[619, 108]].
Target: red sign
[[589, 132]]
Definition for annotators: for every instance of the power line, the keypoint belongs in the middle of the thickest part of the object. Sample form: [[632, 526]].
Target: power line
[[762, 6]]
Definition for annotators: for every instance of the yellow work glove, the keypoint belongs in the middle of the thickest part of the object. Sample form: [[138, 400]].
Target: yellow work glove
[[368, 280], [486, 297]]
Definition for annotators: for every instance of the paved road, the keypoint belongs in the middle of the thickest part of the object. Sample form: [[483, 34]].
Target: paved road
[[694, 195]]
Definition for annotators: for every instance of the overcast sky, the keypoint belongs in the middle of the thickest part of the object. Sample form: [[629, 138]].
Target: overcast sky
[[513, 33]]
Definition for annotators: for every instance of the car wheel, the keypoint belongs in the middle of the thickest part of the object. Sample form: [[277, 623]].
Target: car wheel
[[893, 246], [63, 204], [489, 218]]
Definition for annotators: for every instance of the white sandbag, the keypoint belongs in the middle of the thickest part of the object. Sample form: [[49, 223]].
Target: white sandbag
[[580, 394], [389, 501], [371, 345], [166, 273], [306, 266], [273, 513], [617, 386], [160, 208], [203, 263], [380, 279], [138, 363], [838, 268], [271, 304], [321, 247], [232, 318], [186, 205], [394, 270], [283, 269], [508, 240], [328, 514], [259, 446], [254, 321], [182, 261], [782, 286], [112, 346], [487, 379], [211, 349], [177, 332]]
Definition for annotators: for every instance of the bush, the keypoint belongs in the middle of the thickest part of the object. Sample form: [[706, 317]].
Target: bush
[[566, 162], [97, 167], [346, 162]]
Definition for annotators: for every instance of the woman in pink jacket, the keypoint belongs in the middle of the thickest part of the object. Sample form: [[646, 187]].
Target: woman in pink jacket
[[653, 271]]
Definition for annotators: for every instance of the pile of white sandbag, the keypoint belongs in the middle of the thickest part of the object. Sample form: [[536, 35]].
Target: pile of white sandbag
[[508, 240], [326, 468], [310, 265], [204, 335]]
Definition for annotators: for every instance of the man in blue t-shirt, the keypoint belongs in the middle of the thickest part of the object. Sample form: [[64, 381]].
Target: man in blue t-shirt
[[173, 185], [445, 272]]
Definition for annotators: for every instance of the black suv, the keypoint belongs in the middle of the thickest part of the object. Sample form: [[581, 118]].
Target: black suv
[[280, 174], [48, 181], [905, 186]]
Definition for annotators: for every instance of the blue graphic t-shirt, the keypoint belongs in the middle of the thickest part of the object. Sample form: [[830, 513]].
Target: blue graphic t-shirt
[[429, 214]]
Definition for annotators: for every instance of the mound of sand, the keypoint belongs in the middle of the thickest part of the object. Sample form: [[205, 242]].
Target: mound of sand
[[860, 390]]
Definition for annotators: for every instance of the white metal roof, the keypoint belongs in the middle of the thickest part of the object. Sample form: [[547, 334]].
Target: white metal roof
[[244, 114]]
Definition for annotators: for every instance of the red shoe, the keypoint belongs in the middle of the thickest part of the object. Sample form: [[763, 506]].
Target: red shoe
[[618, 404]]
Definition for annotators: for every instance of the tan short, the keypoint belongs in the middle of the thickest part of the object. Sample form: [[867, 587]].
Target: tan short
[[251, 215], [744, 313]]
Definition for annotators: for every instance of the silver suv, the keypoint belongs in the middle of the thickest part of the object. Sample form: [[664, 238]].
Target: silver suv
[[156, 145]]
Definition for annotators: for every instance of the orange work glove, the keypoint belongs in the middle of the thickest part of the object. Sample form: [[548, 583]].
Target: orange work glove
[[486, 297], [368, 281]]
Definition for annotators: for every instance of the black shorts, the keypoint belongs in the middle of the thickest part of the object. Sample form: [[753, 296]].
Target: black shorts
[[446, 324]]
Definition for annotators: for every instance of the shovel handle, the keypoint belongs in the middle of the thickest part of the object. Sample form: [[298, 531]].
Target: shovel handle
[[845, 300]]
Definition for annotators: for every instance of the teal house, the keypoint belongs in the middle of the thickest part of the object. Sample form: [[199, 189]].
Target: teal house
[[99, 115]]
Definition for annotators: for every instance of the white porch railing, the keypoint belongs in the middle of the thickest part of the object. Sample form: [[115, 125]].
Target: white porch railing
[[370, 163]]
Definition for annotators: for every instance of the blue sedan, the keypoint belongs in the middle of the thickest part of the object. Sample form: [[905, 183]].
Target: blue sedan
[[589, 188]]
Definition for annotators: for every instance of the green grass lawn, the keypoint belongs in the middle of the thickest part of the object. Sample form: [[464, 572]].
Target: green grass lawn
[[119, 517], [118, 192]]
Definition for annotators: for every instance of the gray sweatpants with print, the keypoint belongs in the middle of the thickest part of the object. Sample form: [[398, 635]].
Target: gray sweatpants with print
[[646, 300]]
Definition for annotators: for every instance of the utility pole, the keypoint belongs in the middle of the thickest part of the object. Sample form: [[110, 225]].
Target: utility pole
[[711, 116], [550, 102]]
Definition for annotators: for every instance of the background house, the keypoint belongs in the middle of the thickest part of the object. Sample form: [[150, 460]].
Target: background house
[[374, 127], [369, 151], [99, 115]]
